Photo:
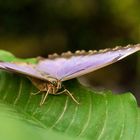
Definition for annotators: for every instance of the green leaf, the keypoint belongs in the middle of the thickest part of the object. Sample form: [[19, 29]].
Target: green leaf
[[8, 57], [13, 127], [100, 115]]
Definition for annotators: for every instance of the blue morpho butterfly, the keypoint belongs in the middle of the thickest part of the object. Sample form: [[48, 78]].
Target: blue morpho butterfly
[[49, 73]]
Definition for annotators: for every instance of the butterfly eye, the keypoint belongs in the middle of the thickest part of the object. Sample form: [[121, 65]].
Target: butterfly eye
[[54, 83]]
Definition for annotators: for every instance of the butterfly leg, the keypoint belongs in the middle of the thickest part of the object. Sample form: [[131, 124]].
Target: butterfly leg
[[44, 97], [69, 94], [35, 93]]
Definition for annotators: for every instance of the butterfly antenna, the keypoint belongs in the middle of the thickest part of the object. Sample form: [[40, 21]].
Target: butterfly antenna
[[44, 97]]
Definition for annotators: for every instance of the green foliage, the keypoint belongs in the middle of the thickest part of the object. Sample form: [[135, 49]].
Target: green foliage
[[100, 115]]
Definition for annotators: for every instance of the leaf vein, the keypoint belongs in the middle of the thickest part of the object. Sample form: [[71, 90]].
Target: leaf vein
[[122, 126], [19, 92], [105, 120], [88, 117], [73, 118], [62, 114], [6, 94]]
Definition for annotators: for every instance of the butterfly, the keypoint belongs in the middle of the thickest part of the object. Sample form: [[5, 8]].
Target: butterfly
[[49, 73]]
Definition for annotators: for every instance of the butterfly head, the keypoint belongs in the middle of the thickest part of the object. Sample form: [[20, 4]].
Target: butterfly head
[[57, 84]]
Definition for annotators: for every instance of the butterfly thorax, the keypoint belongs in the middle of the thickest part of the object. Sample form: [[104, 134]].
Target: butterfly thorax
[[45, 86]]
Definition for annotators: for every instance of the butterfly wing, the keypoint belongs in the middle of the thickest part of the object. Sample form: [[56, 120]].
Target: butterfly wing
[[52, 67], [70, 65], [22, 68], [75, 65]]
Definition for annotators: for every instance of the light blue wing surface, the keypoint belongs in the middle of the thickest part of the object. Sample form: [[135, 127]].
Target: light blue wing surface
[[77, 65], [67, 67], [22, 68]]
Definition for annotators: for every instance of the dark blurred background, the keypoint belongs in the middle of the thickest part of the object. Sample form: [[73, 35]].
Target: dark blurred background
[[30, 28]]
